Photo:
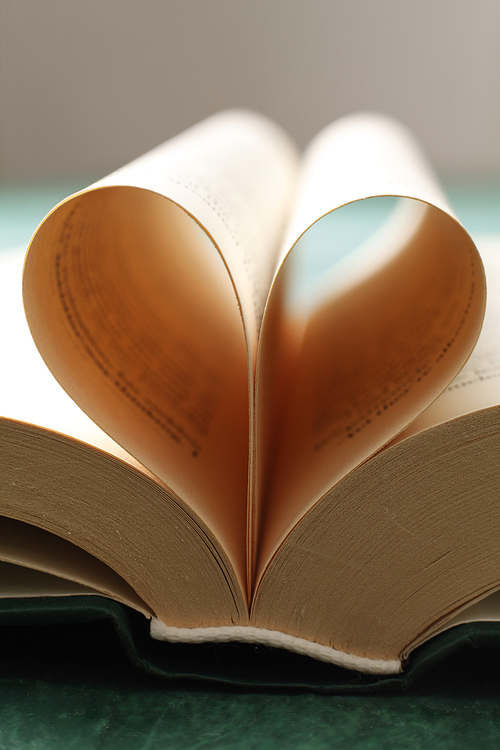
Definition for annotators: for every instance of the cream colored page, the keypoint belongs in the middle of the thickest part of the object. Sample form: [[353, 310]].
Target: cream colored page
[[30, 547], [19, 582], [28, 391], [358, 157], [383, 345], [477, 386], [134, 312], [486, 609], [236, 174]]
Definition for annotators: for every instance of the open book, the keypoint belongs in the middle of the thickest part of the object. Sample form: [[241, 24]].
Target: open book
[[252, 457]]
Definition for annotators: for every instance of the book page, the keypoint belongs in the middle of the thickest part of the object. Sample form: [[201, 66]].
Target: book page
[[26, 548], [477, 386], [134, 316], [487, 609], [19, 582], [145, 294], [410, 537], [411, 533], [387, 338], [236, 174], [28, 391], [117, 515]]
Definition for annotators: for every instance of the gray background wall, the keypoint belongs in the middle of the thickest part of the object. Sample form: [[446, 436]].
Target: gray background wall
[[86, 85]]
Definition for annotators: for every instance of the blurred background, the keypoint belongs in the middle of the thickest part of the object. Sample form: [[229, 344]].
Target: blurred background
[[87, 86]]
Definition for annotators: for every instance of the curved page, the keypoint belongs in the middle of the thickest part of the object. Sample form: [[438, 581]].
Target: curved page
[[397, 322], [144, 295]]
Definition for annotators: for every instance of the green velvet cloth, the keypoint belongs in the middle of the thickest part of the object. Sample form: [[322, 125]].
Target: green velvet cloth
[[83, 673]]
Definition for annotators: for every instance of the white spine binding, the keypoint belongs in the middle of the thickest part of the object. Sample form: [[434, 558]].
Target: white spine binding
[[249, 634]]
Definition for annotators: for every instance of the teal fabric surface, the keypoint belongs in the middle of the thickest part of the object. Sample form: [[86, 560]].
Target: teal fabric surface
[[66, 683]]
